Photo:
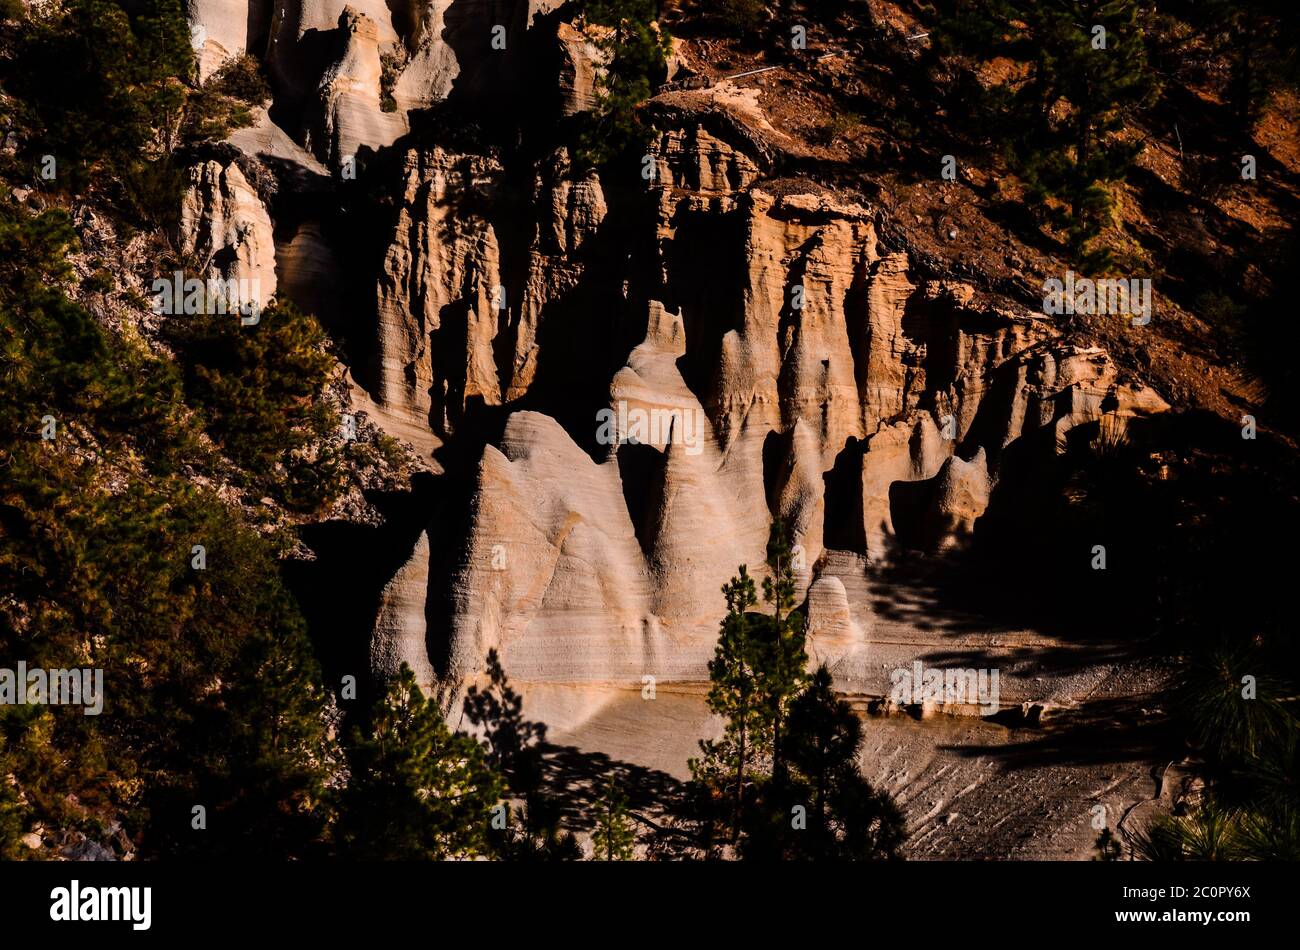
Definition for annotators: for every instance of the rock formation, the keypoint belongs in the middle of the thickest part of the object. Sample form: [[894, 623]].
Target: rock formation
[[227, 229], [634, 413]]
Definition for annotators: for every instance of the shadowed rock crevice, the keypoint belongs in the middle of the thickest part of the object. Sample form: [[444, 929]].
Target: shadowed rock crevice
[[341, 586], [494, 296], [844, 518], [641, 470]]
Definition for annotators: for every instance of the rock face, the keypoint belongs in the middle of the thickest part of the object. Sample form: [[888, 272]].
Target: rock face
[[350, 97], [580, 65], [399, 628], [627, 384], [227, 28], [442, 264], [470, 49], [828, 354], [227, 228], [833, 634]]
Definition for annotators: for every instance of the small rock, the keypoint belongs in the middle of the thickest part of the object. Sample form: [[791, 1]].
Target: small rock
[[32, 840], [87, 850], [952, 234]]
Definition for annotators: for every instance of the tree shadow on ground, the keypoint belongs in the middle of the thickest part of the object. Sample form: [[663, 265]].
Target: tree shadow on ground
[[576, 779], [1103, 732]]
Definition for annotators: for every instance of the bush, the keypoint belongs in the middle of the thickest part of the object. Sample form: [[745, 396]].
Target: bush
[[261, 389], [211, 688], [390, 66], [99, 86], [636, 51], [223, 103]]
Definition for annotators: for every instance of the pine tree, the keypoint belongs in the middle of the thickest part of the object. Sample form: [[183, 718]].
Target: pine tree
[[784, 659], [1260, 40], [635, 52], [614, 835], [513, 743], [513, 746], [534, 833], [262, 388], [99, 84], [726, 763], [416, 789], [1085, 72], [281, 758], [215, 697], [848, 818], [757, 668]]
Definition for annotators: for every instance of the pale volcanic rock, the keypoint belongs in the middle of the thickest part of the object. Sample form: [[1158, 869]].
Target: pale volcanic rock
[[804, 366], [443, 264], [577, 207], [227, 29], [705, 521], [817, 383], [226, 227], [1061, 387], [441, 260], [592, 559], [729, 104], [476, 49], [547, 278], [885, 374], [264, 139], [553, 576], [431, 67], [900, 452], [579, 600], [791, 362], [961, 494], [581, 63], [853, 361], [308, 271], [697, 160], [349, 95], [399, 632], [308, 35], [801, 499], [833, 634]]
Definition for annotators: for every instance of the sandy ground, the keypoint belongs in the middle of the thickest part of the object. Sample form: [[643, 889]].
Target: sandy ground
[[971, 786]]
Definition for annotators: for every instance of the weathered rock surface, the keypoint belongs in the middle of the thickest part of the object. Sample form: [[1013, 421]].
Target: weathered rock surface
[[228, 230], [580, 65], [833, 634], [350, 97], [442, 264], [803, 348], [616, 387], [629, 387]]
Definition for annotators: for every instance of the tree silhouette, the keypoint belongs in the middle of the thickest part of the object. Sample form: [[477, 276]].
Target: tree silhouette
[[614, 835], [416, 789]]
